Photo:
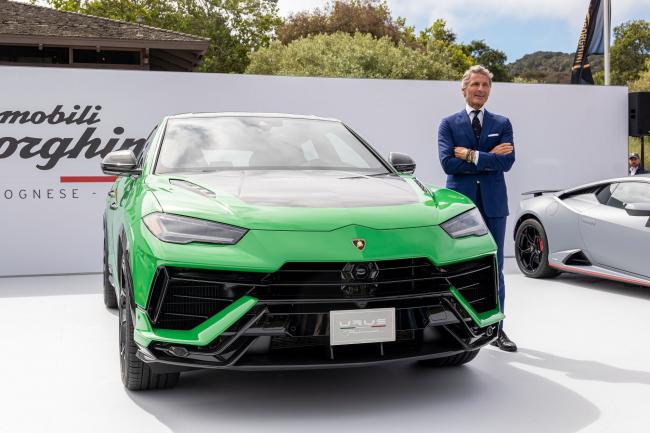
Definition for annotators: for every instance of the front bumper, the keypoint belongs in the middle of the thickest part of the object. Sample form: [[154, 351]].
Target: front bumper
[[270, 322]]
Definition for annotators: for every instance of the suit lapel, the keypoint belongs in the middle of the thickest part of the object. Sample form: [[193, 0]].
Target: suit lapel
[[485, 128], [463, 121]]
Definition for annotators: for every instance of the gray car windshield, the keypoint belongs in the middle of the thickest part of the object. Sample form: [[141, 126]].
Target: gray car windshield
[[262, 143]]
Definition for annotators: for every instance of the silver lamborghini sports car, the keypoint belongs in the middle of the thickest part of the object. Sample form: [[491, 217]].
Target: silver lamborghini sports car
[[600, 229]]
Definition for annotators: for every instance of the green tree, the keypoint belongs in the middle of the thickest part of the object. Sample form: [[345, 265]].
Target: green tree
[[234, 27], [630, 50], [439, 40], [354, 56], [438, 31], [493, 59], [642, 84], [348, 16]]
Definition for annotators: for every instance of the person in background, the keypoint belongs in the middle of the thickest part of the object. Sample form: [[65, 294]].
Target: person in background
[[635, 168]]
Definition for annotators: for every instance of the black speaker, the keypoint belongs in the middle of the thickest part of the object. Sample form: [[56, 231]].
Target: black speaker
[[639, 113]]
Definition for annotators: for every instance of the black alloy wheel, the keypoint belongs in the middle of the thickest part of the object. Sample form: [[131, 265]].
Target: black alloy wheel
[[136, 374], [531, 250]]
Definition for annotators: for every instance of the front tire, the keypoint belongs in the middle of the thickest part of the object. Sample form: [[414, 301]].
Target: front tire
[[531, 250], [450, 361], [136, 374]]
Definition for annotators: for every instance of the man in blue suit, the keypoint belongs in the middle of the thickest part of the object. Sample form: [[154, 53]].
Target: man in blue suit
[[475, 149]]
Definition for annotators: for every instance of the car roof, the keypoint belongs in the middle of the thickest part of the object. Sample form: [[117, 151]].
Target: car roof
[[249, 114], [642, 178]]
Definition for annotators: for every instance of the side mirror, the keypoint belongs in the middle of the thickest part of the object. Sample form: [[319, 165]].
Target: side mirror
[[638, 209], [402, 162], [120, 163]]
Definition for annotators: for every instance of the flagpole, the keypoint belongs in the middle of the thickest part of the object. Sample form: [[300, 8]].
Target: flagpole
[[606, 33]]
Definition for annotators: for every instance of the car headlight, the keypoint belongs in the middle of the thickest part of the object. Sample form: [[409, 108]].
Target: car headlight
[[184, 230], [469, 223]]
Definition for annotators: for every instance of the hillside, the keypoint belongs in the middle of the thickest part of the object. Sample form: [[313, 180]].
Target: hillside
[[549, 67]]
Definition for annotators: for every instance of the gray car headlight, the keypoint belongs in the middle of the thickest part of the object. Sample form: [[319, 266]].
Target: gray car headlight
[[469, 223], [184, 230]]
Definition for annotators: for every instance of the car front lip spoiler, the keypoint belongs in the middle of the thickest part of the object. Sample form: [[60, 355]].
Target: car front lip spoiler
[[229, 352]]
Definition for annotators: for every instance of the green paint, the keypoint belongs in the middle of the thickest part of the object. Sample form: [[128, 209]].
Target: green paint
[[276, 235], [202, 335], [481, 319]]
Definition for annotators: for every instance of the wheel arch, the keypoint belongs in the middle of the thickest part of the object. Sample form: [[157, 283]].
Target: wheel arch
[[123, 247], [523, 217]]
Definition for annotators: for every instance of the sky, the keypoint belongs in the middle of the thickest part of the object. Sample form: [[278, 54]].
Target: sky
[[516, 27]]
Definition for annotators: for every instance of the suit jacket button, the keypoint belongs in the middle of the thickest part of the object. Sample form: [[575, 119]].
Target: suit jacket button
[[478, 182]]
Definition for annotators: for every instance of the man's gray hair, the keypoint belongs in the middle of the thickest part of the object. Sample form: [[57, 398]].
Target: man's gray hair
[[476, 69]]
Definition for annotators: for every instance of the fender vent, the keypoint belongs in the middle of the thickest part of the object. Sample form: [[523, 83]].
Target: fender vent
[[577, 259]]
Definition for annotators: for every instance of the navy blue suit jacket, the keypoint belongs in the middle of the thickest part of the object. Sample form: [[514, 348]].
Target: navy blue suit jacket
[[464, 177]]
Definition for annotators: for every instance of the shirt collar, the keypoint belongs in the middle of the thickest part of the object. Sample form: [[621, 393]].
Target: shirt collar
[[469, 110]]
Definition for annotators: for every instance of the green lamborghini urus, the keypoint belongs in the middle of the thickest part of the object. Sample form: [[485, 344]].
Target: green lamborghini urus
[[272, 241]]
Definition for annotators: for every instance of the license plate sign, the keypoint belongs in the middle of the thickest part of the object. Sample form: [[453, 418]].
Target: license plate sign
[[362, 326]]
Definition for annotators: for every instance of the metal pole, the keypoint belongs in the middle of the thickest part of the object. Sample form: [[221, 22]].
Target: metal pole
[[642, 161], [606, 36]]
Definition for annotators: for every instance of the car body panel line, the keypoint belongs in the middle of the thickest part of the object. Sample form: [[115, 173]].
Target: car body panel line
[[597, 271]]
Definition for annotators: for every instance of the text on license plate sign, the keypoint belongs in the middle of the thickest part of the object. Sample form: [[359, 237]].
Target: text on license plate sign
[[362, 326]]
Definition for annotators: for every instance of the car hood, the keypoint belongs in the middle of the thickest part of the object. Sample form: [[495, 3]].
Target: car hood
[[312, 200]]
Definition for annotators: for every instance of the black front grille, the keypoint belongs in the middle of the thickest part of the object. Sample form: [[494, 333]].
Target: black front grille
[[332, 281], [476, 281], [183, 298]]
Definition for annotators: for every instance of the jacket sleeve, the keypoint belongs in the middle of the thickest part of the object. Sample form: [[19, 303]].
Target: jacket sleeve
[[492, 162], [451, 164]]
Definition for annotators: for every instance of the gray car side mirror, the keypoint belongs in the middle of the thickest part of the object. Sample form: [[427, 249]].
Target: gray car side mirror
[[402, 162], [120, 163]]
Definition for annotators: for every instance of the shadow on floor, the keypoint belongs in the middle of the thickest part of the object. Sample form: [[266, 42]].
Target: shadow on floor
[[488, 394], [609, 286]]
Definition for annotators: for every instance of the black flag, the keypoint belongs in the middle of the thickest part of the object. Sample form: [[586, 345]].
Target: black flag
[[591, 41]]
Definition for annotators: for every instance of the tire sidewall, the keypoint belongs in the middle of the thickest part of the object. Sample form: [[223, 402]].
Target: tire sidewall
[[543, 268]]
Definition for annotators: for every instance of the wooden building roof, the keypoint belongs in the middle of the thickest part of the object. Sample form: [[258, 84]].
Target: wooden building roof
[[24, 25]]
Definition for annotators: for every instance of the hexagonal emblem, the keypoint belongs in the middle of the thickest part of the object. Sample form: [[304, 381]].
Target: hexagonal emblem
[[360, 244]]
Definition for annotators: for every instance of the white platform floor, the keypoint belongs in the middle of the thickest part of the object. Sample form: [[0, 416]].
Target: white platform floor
[[583, 365]]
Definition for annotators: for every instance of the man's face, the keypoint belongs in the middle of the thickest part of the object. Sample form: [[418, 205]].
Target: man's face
[[477, 92], [634, 162]]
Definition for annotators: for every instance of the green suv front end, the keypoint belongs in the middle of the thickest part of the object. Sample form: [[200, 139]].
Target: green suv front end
[[249, 241]]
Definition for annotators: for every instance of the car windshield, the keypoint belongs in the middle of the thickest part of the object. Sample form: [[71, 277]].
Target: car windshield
[[262, 143]]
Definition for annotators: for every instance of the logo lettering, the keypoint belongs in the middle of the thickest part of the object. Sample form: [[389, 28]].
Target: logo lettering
[[53, 149], [362, 323]]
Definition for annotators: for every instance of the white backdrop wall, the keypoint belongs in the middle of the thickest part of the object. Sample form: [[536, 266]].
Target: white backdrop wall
[[564, 135]]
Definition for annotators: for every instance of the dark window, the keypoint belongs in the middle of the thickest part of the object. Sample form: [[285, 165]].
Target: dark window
[[262, 143], [630, 192], [26, 54], [584, 191], [111, 57], [605, 193], [145, 148], [619, 194]]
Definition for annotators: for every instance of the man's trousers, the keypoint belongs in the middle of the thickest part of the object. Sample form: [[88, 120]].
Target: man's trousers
[[497, 227]]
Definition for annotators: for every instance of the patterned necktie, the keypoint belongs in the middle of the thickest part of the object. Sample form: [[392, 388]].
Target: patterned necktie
[[476, 125]]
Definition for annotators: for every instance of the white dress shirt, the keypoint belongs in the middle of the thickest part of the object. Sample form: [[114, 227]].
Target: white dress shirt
[[471, 115]]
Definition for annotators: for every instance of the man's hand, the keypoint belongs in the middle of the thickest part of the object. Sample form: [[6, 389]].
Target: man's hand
[[502, 149], [461, 152]]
